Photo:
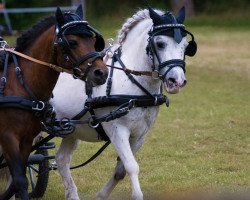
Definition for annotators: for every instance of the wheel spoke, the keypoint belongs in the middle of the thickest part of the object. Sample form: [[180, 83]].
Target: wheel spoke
[[31, 178], [34, 169]]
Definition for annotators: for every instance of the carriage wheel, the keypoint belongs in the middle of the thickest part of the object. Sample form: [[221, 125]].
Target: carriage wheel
[[38, 175]]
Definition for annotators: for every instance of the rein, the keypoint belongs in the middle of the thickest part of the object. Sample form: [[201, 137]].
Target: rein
[[135, 72], [52, 66], [154, 74]]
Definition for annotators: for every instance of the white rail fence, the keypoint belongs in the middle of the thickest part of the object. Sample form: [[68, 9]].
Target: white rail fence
[[6, 11]]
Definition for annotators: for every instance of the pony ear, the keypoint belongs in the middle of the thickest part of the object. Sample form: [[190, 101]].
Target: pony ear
[[181, 15], [154, 16], [59, 17], [79, 11]]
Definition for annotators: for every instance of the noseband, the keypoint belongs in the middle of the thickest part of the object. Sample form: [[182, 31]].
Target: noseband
[[62, 41]]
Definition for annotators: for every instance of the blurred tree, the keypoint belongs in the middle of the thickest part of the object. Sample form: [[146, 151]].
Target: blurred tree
[[189, 6], [77, 2], [80, 2]]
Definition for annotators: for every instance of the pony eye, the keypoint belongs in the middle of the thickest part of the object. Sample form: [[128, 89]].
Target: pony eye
[[160, 45], [72, 44]]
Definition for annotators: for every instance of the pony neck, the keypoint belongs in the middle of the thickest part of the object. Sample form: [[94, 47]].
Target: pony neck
[[41, 79], [135, 57]]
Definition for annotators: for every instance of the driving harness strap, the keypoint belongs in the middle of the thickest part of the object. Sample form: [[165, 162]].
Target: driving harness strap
[[117, 100], [124, 102], [30, 104], [52, 66]]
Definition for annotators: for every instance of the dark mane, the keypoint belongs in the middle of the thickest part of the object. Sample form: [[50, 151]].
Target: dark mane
[[29, 36]]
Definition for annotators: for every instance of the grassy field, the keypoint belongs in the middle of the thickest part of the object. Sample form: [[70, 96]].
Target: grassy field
[[201, 142]]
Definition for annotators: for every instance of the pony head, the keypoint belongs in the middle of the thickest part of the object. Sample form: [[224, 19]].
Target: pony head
[[168, 46], [79, 43]]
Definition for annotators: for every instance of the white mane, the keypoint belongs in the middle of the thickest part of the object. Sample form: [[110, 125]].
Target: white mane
[[132, 22]]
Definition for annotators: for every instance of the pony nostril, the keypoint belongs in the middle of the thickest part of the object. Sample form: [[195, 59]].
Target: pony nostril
[[174, 81], [184, 83], [171, 80], [99, 73]]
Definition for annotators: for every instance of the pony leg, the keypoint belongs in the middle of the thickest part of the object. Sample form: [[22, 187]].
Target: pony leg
[[120, 141], [8, 185], [6, 177], [63, 158], [16, 154], [19, 179], [119, 172]]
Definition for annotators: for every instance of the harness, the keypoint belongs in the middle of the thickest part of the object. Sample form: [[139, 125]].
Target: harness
[[124, 102], [32, 103]]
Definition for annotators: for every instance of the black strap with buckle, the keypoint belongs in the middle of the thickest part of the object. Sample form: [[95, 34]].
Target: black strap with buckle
[[30, 103]]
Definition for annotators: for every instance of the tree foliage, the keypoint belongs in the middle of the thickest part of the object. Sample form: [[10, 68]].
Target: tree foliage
[[98, 9]]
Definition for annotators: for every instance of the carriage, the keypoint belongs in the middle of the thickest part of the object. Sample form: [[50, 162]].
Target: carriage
[[109, 111]]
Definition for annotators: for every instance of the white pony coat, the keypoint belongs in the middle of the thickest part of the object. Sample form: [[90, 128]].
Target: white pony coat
[[128, 132]]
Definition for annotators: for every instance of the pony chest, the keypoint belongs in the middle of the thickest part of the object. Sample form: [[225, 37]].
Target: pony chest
[[141, 118]]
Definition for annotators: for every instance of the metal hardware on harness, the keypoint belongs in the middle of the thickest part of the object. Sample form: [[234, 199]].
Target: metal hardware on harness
[[65, 123], [77, 71], [111, 42], [131, 103], [3, 44], [72, 23], [3, 79], [17, 69], [156, 99], [156, 74], [108, 52], [91, 123], [39, 105]]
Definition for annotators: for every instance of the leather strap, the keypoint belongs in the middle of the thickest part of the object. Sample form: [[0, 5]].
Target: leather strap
[[52, 66], [134, 72]]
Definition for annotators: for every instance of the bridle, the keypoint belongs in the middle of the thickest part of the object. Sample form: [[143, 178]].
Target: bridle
[[62, 41], [152, 52]]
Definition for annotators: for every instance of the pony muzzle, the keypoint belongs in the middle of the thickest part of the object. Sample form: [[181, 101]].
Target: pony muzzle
[[173, 86]]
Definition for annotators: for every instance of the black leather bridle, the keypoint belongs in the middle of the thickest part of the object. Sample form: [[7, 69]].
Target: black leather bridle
[[152, 52], [68, 56]]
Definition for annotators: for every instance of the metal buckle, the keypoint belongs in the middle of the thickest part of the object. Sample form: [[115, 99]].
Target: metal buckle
[[76, 71], [3, 79], [65, 123], [132, 103], [39, 105], [90, 123], [156, 100], [3, 44], [17, 69], [109, 52], [155, 74], [111, 42]]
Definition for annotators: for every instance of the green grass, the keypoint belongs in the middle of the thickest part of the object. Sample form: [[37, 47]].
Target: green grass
[[202, 141]]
